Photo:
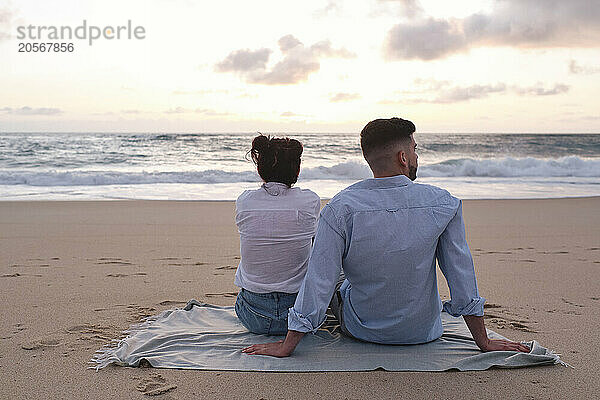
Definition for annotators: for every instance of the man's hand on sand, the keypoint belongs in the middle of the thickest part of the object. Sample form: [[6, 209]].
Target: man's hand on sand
[[504, 345], [477, 327], [274, 349]]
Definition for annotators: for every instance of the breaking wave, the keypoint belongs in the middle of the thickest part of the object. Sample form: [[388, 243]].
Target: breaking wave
[[571, 166]]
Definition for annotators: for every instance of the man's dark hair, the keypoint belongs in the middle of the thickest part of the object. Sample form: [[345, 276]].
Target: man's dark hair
[[380, 133], [277, 159]]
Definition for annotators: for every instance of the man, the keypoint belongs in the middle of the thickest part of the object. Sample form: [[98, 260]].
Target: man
[[386, 233]]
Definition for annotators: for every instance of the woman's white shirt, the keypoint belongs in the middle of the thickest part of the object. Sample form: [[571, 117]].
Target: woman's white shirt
[[276, 225]]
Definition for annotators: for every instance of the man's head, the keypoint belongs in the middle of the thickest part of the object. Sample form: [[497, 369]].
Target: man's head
[[389, 147]]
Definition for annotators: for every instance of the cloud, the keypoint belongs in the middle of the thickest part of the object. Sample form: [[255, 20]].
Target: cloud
[[288, 42], [31, 111], [324, 49], [131, 111], [426, 40], [210, 112], [457, 93], [339, 97], [444, 92], [176, 110], [293, 115], [6, 18], [516, 23], [582, 69], [297, 64], [332, 7], [408, 8], [244, 95], [411, 8], [539, 90], [244, 60], [204, 111]]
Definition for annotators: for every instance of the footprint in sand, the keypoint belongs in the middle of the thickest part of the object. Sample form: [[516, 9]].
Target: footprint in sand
[[95, 332], [154, 385], [491, 305], [571, 303], [225, 294], [501, 319], [114, 263], [229, 267], [111, 261], [125, 275], [172, 303], [137, 313], [18, 328], [41, 344]]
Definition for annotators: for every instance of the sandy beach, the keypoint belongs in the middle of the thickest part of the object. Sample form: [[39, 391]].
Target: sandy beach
[[74, 274]]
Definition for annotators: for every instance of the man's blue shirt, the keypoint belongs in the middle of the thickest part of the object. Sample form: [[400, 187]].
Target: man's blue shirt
[[386, 235]]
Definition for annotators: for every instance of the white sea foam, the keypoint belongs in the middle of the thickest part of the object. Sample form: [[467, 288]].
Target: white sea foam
[[571, 166]]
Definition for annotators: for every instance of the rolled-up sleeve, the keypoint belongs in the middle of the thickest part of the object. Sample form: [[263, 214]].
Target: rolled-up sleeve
[[324, 267], [456, 263]]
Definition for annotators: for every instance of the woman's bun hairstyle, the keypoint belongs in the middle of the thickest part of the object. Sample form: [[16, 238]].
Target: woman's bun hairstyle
[[277, 159]]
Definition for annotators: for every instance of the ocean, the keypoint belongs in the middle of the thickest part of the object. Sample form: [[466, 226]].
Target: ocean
[[207, 166]]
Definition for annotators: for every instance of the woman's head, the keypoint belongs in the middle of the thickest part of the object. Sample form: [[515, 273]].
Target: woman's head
[[277, 160]]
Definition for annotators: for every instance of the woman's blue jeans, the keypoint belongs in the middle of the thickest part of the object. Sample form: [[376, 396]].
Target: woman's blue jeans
[[264, 313]]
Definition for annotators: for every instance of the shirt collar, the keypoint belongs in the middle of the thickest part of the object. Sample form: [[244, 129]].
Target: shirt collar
[[275, 188], [382, 183]]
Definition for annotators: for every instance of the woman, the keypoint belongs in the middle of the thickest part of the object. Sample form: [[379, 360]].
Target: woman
[[276, 225]]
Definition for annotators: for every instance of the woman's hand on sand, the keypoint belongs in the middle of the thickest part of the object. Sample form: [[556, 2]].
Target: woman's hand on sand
[[504, 345], [274, 349], [282, 348]]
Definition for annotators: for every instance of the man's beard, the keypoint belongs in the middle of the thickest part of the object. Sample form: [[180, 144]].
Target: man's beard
[[412, 172]]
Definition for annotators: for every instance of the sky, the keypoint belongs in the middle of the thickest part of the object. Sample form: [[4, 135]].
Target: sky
[[310, 66]]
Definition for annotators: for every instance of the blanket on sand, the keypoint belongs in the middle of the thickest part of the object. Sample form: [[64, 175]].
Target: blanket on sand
[[209, 337]]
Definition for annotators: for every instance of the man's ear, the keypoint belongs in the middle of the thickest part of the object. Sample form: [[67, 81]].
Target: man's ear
[[402, 158]]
